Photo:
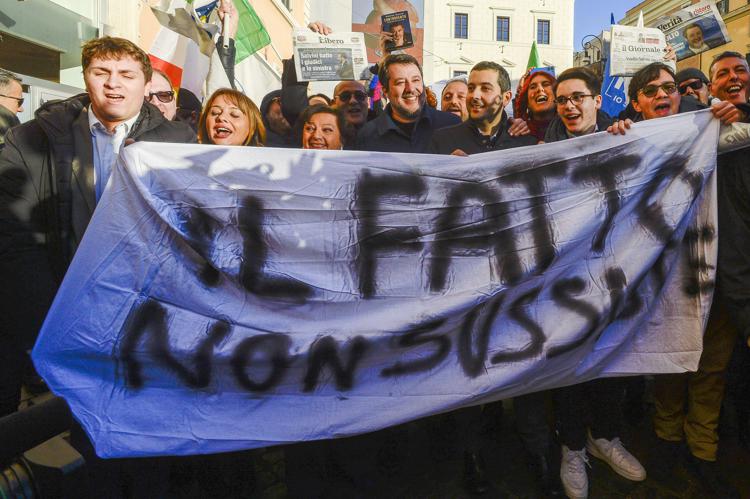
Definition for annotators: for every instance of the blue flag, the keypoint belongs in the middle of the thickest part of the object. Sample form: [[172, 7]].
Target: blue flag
[[614, 95]]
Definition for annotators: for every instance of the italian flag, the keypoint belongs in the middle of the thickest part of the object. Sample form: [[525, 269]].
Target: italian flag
[[183, 48]]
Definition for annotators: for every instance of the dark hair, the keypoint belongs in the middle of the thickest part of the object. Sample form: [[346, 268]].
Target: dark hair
[[322, 96], [645, 75], [593, 83], [345, 132], [503, 80], [110, 47], [724, 55], [691, 26], [395, 59]]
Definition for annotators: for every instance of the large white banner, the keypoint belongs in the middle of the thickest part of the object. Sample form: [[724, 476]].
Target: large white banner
[[227, 298]]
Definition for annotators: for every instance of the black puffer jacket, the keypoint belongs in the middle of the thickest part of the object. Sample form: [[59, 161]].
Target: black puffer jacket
[[47, 199]]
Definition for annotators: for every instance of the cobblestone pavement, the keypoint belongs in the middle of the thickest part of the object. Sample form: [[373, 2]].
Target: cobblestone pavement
[[422, 461]]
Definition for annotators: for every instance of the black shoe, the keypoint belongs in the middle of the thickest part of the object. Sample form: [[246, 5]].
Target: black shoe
[[665, 456], [711, 480], [474, 478], [546, 475]]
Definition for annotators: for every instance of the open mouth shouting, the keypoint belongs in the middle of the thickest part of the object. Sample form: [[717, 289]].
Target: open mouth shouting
[[572, 119], [735, 92], [220, 133], [663, 108]]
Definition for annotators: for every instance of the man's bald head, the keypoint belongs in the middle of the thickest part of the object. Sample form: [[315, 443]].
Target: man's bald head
[[351, 98]]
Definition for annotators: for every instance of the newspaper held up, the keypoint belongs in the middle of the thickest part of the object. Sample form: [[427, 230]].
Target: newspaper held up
[[333, 57], [633, 48], [397, 24], [694, 29]]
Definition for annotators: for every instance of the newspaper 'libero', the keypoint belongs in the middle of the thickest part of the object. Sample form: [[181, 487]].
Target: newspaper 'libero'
[[632, 48], [334, 57], [694, 29]]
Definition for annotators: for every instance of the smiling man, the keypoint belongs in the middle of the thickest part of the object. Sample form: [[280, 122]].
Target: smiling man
[[453, 98], [730, 78], [406, 124], [397, 32], [693, 33], [350, 98], [486, 129], [578, 100], [687, 405], [53, 170]]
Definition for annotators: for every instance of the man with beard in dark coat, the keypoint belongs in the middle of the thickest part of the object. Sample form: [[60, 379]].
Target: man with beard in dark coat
[[407, 124], [487, 128]]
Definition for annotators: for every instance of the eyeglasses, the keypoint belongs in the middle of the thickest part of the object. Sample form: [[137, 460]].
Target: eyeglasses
[[165, 96], [696, 85], [651, 90], [346, 96], [576, 99], [19, 99]]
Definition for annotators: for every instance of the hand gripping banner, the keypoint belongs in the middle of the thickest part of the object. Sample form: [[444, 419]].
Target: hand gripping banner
[[228, 298]]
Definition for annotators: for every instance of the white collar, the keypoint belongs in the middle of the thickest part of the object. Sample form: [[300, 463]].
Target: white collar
[[93, 120]]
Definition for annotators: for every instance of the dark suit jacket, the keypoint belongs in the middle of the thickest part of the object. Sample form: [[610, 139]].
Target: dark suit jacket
[[382, 133]]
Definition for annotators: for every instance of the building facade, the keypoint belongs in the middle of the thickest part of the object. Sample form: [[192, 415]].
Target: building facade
[[460, 33], [736, 14]]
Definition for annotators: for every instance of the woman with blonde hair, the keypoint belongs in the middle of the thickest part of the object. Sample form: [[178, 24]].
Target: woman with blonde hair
[[230, 118]]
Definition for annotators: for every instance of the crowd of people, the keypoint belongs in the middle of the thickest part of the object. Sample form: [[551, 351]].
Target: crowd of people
[[54, 168]]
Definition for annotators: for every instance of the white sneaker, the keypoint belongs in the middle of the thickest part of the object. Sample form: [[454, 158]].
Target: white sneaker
[[573, 473], [619, 459]]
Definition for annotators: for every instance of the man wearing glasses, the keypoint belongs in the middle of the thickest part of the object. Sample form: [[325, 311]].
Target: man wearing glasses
[[578, 100], [692, 82], [162, 95], [11, 102], [351, 99], [654, 93], [687, 405]]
